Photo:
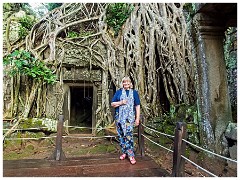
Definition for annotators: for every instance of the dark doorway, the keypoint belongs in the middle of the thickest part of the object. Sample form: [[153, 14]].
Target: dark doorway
[[81, 109]]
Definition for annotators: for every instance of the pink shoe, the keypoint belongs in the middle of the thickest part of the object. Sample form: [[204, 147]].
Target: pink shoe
[[122, 157], [132, 160]]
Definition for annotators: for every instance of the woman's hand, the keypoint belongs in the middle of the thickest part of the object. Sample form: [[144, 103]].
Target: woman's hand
[[124, 101], [137, 122], [119, 103]]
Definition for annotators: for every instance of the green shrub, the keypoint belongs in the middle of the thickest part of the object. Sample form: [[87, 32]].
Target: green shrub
[[117, 14], [22, 62]]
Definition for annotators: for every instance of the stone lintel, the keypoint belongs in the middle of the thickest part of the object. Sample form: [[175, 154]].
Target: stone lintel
[[222, 14], [81, 74]]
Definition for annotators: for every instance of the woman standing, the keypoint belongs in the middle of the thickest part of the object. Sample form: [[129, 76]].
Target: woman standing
[[127, 112]]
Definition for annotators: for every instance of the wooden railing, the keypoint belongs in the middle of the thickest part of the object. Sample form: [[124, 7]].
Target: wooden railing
[[179, 149], [58, 153], [140, 137]]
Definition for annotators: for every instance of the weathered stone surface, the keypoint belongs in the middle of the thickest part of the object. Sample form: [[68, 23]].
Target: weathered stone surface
[[215, 107], [81, 56], [82, 74], [233, 155], [233, 152], [231, 131]]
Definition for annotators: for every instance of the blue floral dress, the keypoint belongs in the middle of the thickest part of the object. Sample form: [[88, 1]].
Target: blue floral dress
[[125, 118]]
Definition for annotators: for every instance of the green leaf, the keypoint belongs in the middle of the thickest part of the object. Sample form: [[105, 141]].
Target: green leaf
[[23, 63], [117, 14]]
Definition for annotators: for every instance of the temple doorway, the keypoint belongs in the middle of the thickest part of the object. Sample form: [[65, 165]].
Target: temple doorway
[[81, 110]]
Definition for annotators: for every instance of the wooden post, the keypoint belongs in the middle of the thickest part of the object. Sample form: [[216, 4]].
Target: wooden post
[[58, 153], [179, 149], [140, 137]]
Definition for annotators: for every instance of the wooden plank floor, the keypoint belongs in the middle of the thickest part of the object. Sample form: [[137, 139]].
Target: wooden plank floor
[[105, 165]]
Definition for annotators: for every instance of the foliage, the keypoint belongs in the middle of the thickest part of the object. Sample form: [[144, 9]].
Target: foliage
[[230, 46], [230, 54], [26, 24], [22, 32], [117, 14], [73, 34], [26, 7], [183, 113], [190, 10], [22, 62], [13, 7], [51, 6], [44, 123]]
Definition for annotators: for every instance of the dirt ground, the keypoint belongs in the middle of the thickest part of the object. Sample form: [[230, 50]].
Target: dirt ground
[[73, 147]]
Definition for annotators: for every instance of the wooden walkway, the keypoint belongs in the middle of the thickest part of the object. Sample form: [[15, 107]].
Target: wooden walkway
[[105, 165]]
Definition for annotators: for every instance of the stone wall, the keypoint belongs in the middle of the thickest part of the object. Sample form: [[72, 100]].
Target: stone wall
[[231, 136], [78, 66]]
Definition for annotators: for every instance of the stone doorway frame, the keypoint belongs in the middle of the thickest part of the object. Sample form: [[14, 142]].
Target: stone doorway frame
[[67, 103]]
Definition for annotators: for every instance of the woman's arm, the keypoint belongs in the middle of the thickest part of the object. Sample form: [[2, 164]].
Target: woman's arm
[[118, 103], [137, 119]]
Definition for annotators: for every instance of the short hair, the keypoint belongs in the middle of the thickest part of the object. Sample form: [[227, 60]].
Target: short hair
[[126, 78]]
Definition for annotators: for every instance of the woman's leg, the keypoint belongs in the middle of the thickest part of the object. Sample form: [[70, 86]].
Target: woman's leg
[[122, 139], [129, 140]]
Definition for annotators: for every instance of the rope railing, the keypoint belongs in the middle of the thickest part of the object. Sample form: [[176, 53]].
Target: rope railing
[[77, 127], [190, 144], [168, 135], [210, 152], [25, 129], [49, 137], [29, 138], [198, 167], [89, 137], [180, 148], [39, 128], [157, 143]]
